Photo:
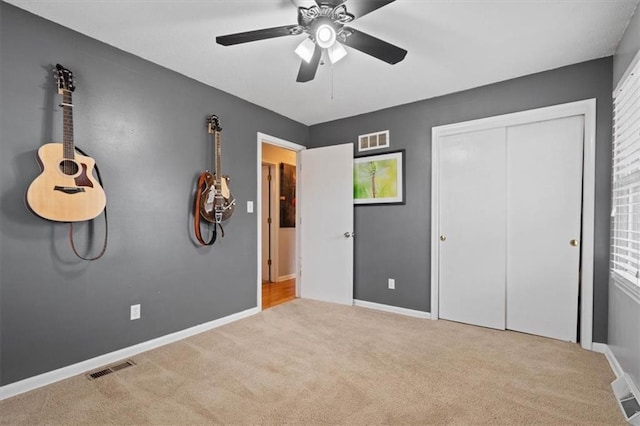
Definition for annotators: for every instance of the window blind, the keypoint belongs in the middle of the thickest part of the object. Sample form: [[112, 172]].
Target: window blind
[[625, 215]]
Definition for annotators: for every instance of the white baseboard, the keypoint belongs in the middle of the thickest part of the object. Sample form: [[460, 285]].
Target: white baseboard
[[44, 379], [286, 277], [603, 348], [394, 309]]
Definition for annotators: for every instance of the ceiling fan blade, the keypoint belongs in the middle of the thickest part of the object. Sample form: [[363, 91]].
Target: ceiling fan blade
[[359, 8], [373, 46], [308, 70], [230, 39]]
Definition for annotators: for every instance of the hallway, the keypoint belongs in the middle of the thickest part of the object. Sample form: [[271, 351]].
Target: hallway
[[277, 293]]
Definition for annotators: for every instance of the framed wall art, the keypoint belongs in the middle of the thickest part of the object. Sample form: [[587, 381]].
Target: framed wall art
[[379, 179], [287, 196]]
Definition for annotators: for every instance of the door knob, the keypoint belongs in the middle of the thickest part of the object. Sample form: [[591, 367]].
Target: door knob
[[443, 238], [574, 242], [347, 235]]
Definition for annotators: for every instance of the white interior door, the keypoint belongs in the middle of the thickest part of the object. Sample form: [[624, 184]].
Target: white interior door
[[472, 225], [326, 228], [544, 194]]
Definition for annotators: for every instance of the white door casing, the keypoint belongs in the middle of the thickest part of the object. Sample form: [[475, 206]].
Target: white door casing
[[341, 199], [544, 196], [326, 227], [472, 232], [262, 137], [586, 109]]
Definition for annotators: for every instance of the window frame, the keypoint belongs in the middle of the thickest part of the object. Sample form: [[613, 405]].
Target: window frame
[[626, 107]]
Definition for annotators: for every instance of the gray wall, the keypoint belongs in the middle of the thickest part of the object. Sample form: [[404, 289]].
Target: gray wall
[[145, 126], [627, 48], [393, 241], [624, 312]]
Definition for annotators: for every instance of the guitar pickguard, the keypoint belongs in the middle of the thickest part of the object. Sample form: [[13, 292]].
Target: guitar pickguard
[[210, 201], [82, 179]]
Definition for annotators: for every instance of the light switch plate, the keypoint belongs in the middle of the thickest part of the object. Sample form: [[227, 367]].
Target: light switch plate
[[135, 312]]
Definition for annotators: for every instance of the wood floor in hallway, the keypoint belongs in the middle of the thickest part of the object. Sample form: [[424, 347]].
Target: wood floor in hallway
[[277, 293]]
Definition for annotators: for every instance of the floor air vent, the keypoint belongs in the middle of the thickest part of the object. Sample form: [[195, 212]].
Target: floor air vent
[[628, 398], [111, 369]]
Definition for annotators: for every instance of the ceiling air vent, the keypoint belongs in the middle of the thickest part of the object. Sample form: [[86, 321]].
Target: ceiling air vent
[[373, 141], [111, 369]]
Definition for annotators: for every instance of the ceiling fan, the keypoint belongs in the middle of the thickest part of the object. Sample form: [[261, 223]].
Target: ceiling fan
[[324, 23]]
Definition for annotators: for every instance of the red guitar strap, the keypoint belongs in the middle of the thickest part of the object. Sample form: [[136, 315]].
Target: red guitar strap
[[196, 214]]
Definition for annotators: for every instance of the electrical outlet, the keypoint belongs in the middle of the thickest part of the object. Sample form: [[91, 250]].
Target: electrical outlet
[[249, 206], [392, 284], [135, 312]]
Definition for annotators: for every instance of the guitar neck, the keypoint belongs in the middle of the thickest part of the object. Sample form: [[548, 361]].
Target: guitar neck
[[218, 171], [67, 125]]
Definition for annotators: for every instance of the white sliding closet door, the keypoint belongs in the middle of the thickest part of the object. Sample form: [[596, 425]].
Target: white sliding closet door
[[544, 204], [472, 227]]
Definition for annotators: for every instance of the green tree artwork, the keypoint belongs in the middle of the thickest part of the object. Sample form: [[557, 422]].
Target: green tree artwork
[[375, 179]]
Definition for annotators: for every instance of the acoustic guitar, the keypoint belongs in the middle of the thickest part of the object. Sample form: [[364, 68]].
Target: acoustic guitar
[[66, 190], [218, 203]]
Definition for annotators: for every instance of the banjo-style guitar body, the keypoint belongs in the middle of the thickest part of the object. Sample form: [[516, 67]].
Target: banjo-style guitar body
[[217, 203], [66, 190]]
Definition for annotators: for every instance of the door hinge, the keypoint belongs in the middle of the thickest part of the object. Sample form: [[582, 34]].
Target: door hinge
[[269, 178], [269, 220], [269, 262]]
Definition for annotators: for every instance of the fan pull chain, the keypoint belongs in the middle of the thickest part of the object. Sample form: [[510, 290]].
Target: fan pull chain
[[332, 81]]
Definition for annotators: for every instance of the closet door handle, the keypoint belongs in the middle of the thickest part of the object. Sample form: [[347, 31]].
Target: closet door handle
[[443, 238], [574, 242]]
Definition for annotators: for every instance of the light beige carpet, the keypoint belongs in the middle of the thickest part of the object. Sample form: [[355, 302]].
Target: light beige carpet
[[308, 362]]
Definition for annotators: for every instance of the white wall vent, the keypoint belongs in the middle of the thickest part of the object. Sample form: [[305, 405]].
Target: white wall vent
[[628, 398], [373, 141]]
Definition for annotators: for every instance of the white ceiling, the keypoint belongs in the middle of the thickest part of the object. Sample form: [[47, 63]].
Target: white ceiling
[[453, 45]]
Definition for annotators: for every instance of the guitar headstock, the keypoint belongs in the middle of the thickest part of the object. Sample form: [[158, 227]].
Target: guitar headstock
[[64, 78], [213, 123]]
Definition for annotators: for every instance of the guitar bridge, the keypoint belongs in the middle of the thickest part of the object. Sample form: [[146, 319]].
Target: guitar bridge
[[68, 189]]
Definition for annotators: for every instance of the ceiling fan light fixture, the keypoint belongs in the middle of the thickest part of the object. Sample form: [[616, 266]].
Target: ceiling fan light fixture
[[305, 50], [325, 35], [323, 24], [336, 52]]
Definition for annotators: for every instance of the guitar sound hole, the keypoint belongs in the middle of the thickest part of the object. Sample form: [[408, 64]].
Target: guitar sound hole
[[68, 167]]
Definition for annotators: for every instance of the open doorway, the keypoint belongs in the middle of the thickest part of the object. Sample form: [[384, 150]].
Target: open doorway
[[324, 239], [278, 219]]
